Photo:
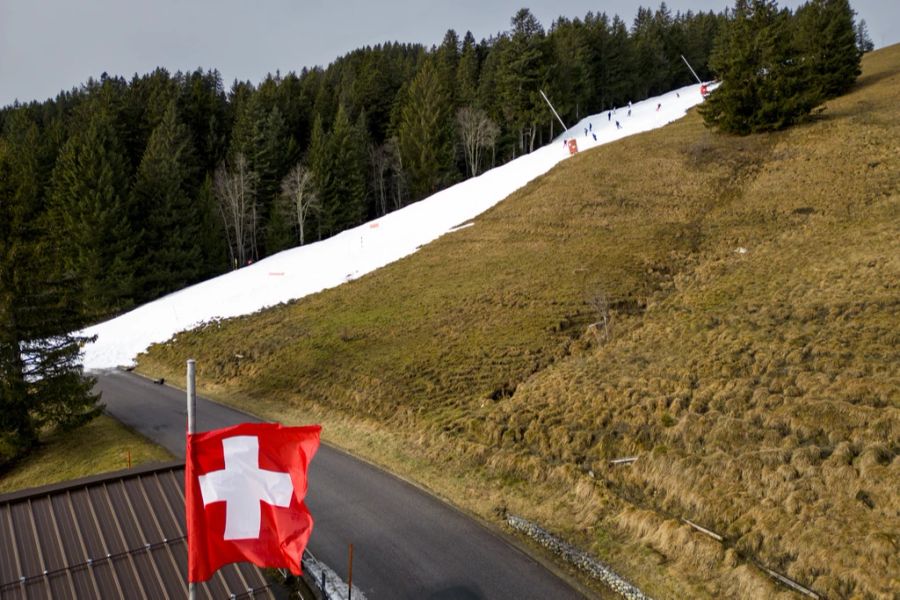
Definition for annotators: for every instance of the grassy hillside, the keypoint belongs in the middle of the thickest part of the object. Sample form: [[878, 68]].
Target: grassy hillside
[[727, 309], [100, 446]]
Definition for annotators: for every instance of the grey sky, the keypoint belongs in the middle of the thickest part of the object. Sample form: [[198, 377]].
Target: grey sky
[[50, 45]]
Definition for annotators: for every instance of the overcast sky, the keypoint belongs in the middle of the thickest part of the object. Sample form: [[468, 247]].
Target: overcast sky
[[50, 45]]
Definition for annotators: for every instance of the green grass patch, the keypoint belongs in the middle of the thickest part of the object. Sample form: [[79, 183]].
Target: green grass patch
[[100, 446]]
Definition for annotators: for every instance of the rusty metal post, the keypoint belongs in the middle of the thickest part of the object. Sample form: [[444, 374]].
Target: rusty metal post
[[350, 575]]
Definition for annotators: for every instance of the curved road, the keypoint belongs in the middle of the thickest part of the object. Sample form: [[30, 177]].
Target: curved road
[[406, 543]]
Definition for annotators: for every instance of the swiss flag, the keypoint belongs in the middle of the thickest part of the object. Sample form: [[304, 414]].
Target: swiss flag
[[244, 490]]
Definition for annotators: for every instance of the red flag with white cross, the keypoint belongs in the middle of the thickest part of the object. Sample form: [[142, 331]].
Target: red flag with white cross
[[244, 491]]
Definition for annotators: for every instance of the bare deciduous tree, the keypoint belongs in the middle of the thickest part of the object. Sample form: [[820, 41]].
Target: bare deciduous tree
[[298, 195], [477, 132], [235, 190], [388, 178]]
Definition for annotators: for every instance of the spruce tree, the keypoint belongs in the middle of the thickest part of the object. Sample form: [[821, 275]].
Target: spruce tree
[[649, 52], [89, 213], [765, 84], [572, 74], [170, 243], [827, 39], [339, 165], [467, 72], [522, 72], [488, 97], [447, 61], [863, 41], [41, 379], [426, 134], [205, 111], [318, 164], [276, 151], [212, 238], [621, 74], [344, 198]]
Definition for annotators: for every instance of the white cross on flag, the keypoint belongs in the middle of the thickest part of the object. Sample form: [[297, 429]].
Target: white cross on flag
[[245, 487]]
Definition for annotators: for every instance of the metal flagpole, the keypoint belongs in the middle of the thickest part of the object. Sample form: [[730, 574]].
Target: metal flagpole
[[191, 393], [191, 409], [692, 69], [553, 109]]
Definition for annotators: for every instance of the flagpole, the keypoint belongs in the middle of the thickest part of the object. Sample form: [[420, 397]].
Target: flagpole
[[191, 410], [191, 394]]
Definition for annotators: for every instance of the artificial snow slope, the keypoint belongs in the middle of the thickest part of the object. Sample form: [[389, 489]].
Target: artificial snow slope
[[309, 269]]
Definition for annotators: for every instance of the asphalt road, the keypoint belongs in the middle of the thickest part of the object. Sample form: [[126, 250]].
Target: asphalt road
[[406, 543]]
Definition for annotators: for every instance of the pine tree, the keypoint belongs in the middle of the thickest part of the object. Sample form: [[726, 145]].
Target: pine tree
[[827, 40], [426, 134], [89, 213], [171, 250], [765, 84]]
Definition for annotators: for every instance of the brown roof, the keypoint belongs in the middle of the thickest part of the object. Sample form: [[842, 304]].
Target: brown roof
[[119, 535]]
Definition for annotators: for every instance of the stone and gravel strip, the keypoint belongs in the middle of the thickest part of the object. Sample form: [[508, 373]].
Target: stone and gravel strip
[[574, 556], [335, 588]]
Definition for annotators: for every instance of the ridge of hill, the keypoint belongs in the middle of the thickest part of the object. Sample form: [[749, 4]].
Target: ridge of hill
[[726, 309]]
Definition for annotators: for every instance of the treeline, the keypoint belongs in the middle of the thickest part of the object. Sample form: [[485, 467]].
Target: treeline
[[151, 184]]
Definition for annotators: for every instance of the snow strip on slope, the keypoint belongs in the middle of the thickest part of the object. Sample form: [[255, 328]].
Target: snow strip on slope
[[308, 269]]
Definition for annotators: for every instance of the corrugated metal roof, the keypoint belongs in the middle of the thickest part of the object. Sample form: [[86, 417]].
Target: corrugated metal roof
[[119, 535]]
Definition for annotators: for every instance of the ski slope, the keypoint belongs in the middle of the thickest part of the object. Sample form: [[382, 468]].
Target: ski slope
[[309, 269]]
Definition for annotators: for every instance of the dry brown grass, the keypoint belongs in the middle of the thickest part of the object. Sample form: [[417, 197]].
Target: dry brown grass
[[761, 389]]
